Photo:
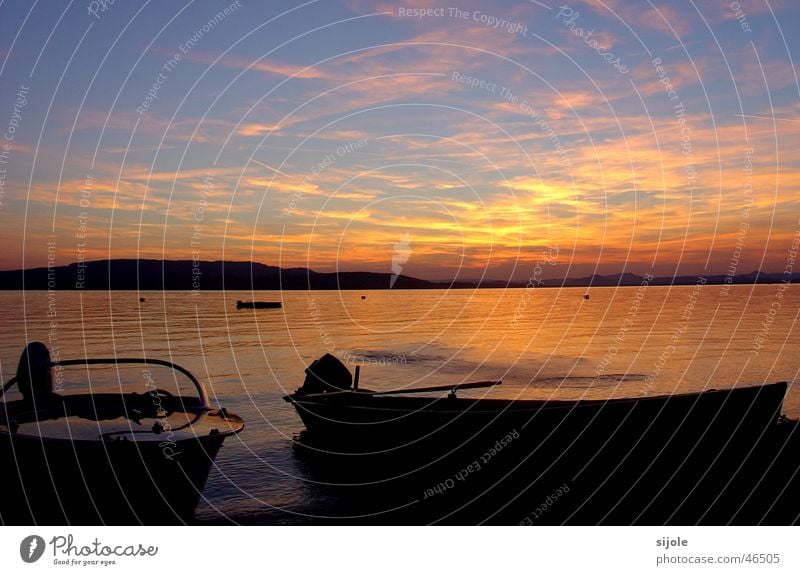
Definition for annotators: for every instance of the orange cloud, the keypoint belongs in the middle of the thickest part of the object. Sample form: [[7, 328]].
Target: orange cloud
[[255, 129]]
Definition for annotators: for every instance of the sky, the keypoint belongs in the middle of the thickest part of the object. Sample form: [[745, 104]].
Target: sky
[[506, 140]]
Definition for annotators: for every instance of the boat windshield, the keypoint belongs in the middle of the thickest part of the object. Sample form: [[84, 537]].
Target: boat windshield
[[112, 378]]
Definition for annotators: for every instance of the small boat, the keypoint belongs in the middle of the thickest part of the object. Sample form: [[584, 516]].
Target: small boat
[[258, 304], [125, 458], [437, 455], [335, 411]]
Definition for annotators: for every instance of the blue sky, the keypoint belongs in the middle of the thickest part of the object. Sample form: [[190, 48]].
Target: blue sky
[[318, 134]]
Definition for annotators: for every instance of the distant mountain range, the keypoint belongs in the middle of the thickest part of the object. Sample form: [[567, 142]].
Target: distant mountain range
[[631, 279], [130, 274], [146, 274]]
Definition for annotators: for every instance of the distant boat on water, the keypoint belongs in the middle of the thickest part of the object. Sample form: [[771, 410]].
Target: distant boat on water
[[258, 304]]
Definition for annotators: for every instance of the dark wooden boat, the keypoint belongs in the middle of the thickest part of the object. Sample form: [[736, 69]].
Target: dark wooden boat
[[258, 304], [332, 408], [439, 455], [356, 418], [93, 458]]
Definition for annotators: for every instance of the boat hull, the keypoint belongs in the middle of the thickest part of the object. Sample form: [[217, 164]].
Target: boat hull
[[363, 422], [108, 458], [103, 482], [682, 459]]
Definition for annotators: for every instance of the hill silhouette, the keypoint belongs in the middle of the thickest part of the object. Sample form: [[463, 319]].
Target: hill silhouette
[[150, 274], [145, 274]]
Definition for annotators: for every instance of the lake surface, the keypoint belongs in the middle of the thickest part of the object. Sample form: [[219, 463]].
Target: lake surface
[[542, 343]]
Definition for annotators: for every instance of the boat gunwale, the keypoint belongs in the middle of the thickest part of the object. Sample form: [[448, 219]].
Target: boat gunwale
[[503, 406]]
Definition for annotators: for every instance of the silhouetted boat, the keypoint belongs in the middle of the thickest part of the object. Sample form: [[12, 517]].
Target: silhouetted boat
[[705, 457], [332, 407], [257, 304], [105, 457]]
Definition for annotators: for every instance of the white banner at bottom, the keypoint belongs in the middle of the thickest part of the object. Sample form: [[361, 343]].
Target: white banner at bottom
[[400, 550]]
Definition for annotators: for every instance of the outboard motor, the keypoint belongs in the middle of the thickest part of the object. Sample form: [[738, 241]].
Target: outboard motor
[[34, 376], [326, 374]]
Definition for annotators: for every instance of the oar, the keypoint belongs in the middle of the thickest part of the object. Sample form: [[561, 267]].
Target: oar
[[345, 392], [450, 388]]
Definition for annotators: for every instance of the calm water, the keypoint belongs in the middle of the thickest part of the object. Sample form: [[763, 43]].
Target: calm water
[[541, 343]]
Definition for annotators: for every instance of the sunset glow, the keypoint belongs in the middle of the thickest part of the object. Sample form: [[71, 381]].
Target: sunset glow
[[319, 134]]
